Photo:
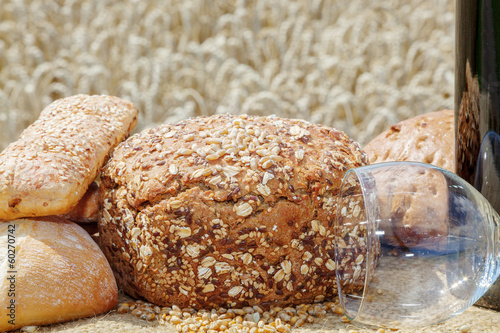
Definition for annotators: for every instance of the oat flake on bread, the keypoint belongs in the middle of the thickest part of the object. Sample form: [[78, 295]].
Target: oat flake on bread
[[227, 211]]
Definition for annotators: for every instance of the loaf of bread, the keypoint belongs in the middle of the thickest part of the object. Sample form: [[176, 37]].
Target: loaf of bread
[[417, 204], [87, 208], [427, 138], [413, 208], [228, 211], [48, 170], [51, 271]]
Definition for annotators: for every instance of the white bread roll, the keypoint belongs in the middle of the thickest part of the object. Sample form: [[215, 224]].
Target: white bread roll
[[58, 273]]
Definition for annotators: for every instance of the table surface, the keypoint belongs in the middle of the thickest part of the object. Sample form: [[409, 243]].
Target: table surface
[[474, 319]]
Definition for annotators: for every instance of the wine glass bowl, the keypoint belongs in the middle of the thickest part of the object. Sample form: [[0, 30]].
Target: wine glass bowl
[[429, 244]]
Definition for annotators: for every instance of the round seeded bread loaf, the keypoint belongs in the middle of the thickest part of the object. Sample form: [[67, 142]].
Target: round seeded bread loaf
[[227, 211], [427, 138]]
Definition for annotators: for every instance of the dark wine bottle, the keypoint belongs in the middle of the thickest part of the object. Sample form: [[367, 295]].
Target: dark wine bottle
[[477, 105]]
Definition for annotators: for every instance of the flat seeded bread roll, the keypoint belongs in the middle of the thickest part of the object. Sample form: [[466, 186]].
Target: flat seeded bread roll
[[428, 138], [51, 271], [48, 170], [227, 211]]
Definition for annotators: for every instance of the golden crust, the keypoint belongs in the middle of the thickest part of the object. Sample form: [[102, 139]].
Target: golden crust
[[428, 138], [58, 274], [48, 170], [225, 211]]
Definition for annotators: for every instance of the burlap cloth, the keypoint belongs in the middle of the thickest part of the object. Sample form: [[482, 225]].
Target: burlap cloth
[[355, 65]]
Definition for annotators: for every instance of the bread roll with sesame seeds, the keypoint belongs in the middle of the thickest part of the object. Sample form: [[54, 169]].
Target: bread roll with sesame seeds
[[58, 274], [226, 211], [48, 170]]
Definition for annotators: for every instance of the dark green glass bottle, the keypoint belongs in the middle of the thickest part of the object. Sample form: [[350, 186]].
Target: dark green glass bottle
[[477, 105]]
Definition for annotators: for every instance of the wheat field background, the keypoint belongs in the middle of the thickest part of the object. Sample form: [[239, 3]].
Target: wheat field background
[[355, 65]]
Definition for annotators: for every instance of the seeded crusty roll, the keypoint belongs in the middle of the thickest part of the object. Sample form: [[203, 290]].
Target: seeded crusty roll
[[51, 271], [48, 170], [227, 211]]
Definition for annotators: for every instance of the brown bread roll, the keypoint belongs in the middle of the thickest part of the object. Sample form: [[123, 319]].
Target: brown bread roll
[[85, 212], [417, 208], [227, 211], [48, 170], [51, 271], [427, 138]]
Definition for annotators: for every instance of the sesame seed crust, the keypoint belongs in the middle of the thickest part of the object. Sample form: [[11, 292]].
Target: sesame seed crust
[[48, 170], [226, 211]]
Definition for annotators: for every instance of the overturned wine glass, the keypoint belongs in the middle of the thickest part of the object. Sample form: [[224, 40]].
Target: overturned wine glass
[[414, 245]]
